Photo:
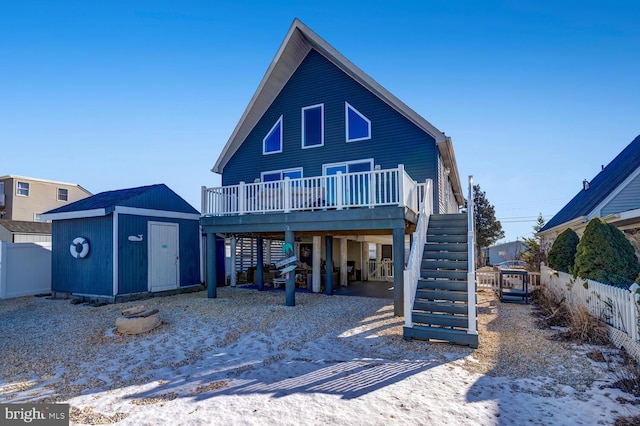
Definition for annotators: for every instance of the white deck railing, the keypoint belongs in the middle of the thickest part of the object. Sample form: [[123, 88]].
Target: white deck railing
[[380, 270], [471, 274], [411, 275], [490, 280], [343, 190]]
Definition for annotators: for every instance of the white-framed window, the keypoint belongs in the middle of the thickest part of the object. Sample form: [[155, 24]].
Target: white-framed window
[[275, 175], [63, 194], [22, 189], [313, 126], [353, 166], [272, 143], [358, 127]]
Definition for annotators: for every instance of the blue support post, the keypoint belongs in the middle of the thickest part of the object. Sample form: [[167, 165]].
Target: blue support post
[[260, 265], [328, 242], [398, 271], [212, 283], [290, 284]]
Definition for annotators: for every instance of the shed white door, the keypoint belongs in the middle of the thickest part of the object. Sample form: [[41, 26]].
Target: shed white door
[[164, 261]]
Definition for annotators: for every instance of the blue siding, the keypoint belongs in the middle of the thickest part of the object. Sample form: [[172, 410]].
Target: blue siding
[[133, 256], [91, 275], [395, 140]]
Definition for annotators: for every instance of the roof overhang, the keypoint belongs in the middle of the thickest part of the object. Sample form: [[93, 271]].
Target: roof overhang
[[133, 211], [74, 215], [299, 40], [573, 224]]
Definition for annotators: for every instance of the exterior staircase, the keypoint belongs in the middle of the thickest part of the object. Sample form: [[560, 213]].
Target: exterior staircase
[[440, 310]]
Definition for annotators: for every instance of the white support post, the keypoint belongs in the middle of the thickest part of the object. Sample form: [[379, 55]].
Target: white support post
[[267, 252], [343, 262], [317, 255], [232, 261]]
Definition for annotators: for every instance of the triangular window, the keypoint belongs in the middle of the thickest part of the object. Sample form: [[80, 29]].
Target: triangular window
[[357, 125], [272, 143]]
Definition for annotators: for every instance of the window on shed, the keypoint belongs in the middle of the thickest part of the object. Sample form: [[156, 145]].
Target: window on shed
[[22, 188], [313, 126], [63, 194], [272, 143], [358, 127]]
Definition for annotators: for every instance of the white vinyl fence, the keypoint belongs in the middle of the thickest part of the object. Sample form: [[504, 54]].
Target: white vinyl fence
[[491, 280], [25, 269], [617, 307]]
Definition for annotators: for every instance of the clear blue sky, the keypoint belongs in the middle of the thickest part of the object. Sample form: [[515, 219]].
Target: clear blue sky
[[536, 95]]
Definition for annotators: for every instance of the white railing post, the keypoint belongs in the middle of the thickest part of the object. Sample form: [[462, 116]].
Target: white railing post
[[339, 190], [242, 197], [203, 205], [471, 274], [411, 274], [400, 181], [287, 194]]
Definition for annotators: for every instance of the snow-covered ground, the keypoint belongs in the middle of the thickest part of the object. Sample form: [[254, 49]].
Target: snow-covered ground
[[246, 359]]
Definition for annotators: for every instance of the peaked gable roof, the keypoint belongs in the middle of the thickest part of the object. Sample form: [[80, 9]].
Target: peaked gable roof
[[106, 202], [299, 40], [600, 187]]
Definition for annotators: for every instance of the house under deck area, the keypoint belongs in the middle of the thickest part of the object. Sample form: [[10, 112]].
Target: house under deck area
[[318, 229]]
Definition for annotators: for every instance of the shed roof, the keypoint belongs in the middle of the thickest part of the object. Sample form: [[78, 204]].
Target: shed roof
[[299, 40], [603, 184], [24, 227], [156, 197]]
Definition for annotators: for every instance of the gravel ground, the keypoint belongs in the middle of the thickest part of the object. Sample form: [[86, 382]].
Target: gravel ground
[[53, 350]]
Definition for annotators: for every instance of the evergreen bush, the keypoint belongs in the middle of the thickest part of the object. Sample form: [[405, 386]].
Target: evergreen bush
[[605, 255], [562, 255]]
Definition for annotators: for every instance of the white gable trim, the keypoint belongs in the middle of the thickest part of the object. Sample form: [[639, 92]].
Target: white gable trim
[[74, 215], [135, 211], [613, 194]]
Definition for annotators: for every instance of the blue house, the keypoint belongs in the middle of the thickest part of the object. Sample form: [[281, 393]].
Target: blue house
[[123, 244], [613, 195], [326, 162]]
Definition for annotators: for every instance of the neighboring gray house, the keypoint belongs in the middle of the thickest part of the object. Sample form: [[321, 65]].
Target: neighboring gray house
[[613, 195], [18, 231], [503, 252], [24, 198]]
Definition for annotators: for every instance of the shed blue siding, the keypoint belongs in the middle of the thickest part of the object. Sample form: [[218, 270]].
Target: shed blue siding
[[133, 257], [91, 275], [394, 139]]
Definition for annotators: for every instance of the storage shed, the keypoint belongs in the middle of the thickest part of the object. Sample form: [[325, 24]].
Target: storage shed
[[118, 245]]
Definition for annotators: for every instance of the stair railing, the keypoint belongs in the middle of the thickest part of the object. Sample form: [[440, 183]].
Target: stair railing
[[411, 274], [471, 274]]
